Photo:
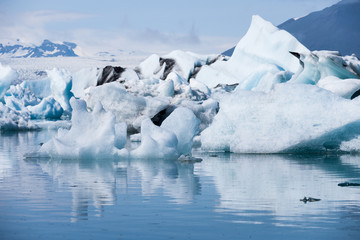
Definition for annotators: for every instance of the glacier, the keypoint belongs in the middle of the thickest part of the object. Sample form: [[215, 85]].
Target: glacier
[[273, 95]]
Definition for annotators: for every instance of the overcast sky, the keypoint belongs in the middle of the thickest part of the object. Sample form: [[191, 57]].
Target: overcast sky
[[153, 26]]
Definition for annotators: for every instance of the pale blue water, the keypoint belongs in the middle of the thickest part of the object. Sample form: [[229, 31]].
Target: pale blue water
[[226, 196]]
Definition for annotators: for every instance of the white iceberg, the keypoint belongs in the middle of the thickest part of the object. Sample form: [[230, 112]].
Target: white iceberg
[[183, 122], [173, 138], [7, 77], [60, 85], [92, 134], [156, 142], [290, 118], [126, 106], [11, 120], [266, 56]]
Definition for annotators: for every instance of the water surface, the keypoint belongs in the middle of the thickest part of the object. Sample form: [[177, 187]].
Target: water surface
[[226, 196]]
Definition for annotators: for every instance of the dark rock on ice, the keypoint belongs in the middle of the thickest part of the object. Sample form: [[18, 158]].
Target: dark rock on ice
[[169, 66], [355, 95], [162, 115], [197, 68], [227, 87], [110, 74]]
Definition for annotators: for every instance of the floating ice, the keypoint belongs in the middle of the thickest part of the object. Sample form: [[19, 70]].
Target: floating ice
[[48, 108], [185, 125], [126, 107], [266, 56], [82, 80], [61, 84], [268, 101], [290, 118], [11, 120], [321, 64], [342, 87], [92, 134], [7, 76], [156, 142], [263, 47]]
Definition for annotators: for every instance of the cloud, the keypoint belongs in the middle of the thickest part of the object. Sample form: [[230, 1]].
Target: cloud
[[155, 36], [32, 27], [44, 17]]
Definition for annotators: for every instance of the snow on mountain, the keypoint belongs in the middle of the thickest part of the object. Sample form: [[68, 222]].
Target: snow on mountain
[[46, 49], [334, 28]]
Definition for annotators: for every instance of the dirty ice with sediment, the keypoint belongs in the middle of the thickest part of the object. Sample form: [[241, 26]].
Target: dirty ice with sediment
[[273, 95]]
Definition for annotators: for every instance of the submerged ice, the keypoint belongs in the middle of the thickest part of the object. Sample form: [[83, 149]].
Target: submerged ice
[[273, 95]]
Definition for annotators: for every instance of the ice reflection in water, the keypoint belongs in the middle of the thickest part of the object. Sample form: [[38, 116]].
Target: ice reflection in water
[[262, 191], [273, 184], [91, 183], [94, 183]]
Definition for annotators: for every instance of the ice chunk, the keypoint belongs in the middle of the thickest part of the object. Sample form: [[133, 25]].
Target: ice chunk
[[183, 122], [166, 88], [7, 76], [320, 64], [84, 79], [186, 62], [11, 120], [126, 107], [40, 87], [265, 43], [156, 142], [150, 66], [48, 108], [196, 85], [352, 145], [61, 84], [263, 47], [92, 134], [342, 87], [290, 118]]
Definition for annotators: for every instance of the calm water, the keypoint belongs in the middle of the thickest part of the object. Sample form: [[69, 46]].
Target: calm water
[[226, 196]]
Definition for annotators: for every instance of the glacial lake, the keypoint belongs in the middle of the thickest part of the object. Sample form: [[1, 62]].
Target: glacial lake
[[225, 196]]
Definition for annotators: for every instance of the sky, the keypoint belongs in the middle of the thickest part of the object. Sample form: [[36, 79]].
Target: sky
[[156, 26]]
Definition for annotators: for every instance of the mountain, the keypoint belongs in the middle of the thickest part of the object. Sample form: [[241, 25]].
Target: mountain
[[46, 49], [333, 28]]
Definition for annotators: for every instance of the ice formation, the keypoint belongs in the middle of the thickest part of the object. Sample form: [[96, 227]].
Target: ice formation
[[172, 139], [60, 85], [7, 76], [273, 95], [290, 118], [92, 134], [185, 125]]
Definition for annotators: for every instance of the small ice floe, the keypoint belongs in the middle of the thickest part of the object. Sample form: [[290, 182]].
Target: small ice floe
[[309, 199], [349, 184]]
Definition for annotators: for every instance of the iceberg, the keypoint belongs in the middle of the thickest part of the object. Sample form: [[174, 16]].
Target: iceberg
[[11, 120], [183, 122], [267, 56], [7, 76], [156, 142], [172, 139], [126, 106], [92, 134], [272, 96], [290, 118], [60, 85]]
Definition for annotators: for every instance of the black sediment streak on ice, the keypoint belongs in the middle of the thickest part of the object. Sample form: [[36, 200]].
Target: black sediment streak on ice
[[110, 74]]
